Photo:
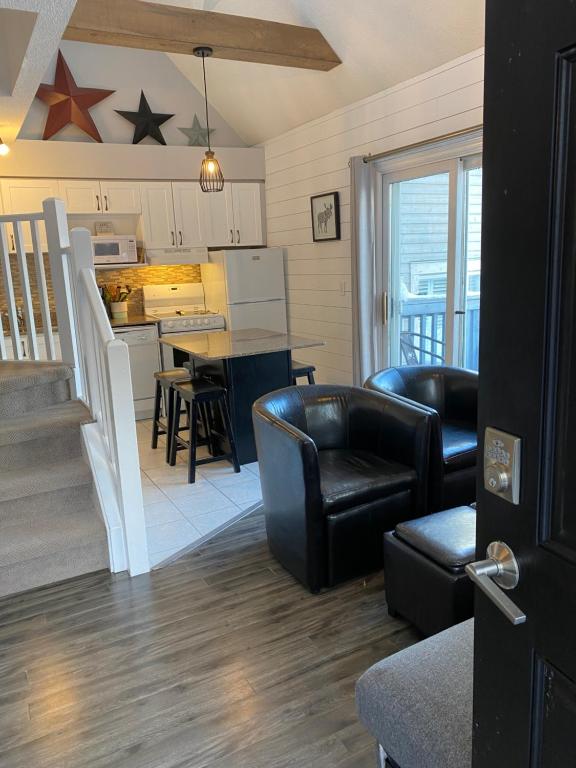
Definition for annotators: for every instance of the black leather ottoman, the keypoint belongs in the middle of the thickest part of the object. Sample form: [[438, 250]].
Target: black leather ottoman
[[424, 562]]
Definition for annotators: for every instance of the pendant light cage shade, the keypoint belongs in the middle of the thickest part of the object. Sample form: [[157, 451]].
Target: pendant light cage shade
[[211, 178]]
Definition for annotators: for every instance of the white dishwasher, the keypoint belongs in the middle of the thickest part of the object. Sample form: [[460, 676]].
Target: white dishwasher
[[144, 353]]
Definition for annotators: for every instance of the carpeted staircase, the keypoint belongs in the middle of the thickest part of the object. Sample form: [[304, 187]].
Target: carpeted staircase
[[50, 527]]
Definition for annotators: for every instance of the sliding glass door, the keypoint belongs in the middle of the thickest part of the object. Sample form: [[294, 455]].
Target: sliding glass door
[[469, 315], [431, 263]]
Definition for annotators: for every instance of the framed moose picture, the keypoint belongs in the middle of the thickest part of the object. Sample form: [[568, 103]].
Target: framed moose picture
[[325, 217]]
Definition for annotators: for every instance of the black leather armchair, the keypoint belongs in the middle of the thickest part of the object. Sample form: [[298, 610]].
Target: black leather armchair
[[450, 396], [338, 467]]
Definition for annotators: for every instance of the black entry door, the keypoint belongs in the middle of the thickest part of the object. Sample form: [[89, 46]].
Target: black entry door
[[525, 675]]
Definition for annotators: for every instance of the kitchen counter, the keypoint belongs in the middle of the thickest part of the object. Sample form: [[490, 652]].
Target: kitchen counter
[[223, 345], [133, 319], [248, 363]]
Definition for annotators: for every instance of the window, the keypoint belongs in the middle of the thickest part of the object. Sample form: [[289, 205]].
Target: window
[[430, 245]]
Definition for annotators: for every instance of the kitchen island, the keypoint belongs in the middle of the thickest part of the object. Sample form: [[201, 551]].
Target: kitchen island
[[249, 363]]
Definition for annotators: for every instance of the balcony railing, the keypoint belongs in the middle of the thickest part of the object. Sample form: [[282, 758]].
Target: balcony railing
[[423, 332]]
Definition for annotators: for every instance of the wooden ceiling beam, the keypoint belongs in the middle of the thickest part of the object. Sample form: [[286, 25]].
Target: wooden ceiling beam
[[172, 29]]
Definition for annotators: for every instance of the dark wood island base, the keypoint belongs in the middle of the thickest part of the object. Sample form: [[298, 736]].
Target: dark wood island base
[[248, 363], [246, 379]]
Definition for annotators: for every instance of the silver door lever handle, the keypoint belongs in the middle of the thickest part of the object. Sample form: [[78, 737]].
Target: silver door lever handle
[[499, 571]]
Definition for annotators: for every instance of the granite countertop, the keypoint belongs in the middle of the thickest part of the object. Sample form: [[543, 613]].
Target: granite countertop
[[221, 345], [133, 319]]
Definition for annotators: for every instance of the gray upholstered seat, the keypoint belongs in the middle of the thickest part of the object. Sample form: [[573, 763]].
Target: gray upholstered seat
[[418, 703]]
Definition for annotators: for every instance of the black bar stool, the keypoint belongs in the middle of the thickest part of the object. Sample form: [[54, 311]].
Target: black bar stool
[[201, 395], [299, 370], [165, 394]]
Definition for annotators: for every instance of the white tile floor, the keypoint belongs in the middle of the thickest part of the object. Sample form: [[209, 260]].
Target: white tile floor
[[179, 514]]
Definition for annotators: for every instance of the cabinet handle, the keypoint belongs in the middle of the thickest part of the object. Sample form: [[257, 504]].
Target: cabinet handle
[[238, 236], [180, 233], [97, 202], [173, 240], [12, 241], [106, 201], [232, 236]]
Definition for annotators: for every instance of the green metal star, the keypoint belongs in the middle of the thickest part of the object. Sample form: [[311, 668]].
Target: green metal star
[[197, 136]]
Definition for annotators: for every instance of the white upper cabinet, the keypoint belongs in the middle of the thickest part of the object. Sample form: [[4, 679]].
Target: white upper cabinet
[[190, 213], [81, 196], [158, 225], [172, 213], [179, 213], [100, 197], [235, 215], [247, 206], [27, 196], [219, 217], [120, 197]]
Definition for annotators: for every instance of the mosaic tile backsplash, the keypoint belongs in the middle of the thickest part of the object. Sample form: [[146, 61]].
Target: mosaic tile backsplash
[[135, 278]]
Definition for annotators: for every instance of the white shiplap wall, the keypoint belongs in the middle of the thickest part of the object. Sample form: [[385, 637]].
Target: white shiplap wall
[[313, 159]]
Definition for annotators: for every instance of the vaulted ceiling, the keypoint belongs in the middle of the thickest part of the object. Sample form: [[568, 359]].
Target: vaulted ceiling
[[381, 43]]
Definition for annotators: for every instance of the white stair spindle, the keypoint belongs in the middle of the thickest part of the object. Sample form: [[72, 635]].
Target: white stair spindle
[[26, 293], [3, 351], [58, 249], [42, 291], [11, 299]]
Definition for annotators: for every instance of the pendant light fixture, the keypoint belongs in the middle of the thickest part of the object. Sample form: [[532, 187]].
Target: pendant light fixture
[[4, 148], [211, 178]]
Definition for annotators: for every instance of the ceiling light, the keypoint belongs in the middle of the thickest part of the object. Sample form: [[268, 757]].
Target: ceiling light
[[211, 178], [4, 149]]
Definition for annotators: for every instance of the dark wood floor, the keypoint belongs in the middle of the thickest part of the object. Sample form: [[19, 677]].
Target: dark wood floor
[[219, 660]]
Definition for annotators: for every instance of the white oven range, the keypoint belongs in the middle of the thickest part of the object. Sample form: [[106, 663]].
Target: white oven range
[[180, 309]]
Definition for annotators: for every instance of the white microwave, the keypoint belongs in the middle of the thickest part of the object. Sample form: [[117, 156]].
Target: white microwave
[[115, 249]]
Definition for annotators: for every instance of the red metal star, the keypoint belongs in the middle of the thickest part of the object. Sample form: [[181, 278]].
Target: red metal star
[[68, 103]]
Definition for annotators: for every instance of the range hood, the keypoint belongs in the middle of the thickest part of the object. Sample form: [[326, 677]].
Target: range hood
[[179, 255]]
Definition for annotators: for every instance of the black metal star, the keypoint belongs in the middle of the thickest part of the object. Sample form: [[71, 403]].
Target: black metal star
[[146, 122]]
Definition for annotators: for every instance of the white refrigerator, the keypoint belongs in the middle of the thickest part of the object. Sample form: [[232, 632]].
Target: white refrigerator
[[247, 287]]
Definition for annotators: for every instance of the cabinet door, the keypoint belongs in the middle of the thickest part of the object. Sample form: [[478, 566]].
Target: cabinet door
[[247, 214], [120, 197], [81, 196], [27, 196], [190, 213], [159, 230], [220, 218]]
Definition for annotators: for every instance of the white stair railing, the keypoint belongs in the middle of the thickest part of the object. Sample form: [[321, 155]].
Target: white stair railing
[[111, 440], [101, 363], [19, 337]]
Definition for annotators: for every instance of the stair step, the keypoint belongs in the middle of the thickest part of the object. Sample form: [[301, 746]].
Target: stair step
[[85, 558], [27, 386], [20, 543], [33, 425], [33, 555], [23, 374], [50, 476], [53, 432], [50, 526], [40, 509]]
